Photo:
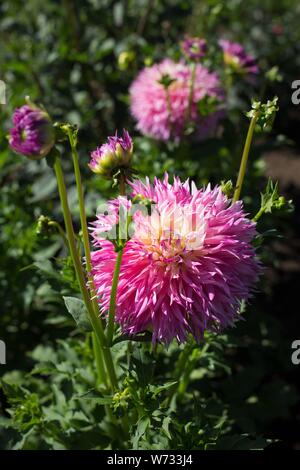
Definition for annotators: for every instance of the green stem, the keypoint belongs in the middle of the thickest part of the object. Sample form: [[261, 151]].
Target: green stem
[[180, 368], [113, 297], [186, 372], [99, 361], [101, 372], [244, 160], [115, 281], [87, 251], [96, 324], [60, 231], [259, 214], [69, 228], [228, 79], [183, 369], [80, 193]]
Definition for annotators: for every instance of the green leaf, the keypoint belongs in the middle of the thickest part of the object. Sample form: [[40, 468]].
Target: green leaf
[[236, 442], [45, 267], [165, 426], [207, 105], [142, 427], [161, 388], [271, 199], [142, 364], [22, 443], [97, 397], [77, 310]]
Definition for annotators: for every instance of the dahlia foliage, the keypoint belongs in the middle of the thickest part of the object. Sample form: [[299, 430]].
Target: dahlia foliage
[[187, 266]]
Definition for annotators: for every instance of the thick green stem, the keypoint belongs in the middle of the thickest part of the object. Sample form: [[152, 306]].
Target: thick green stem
[[113, 297], [80, 195], [96, 324], [99, 361], [244, 160], [259, 214], [83, 220], [69, 229], [87, 251], [186, 372], [115, 281], [180, 368], [102, 376]]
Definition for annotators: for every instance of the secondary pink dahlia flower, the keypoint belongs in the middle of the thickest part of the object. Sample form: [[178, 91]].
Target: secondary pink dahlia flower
[[187, 267], [161, 113], [236, 56]]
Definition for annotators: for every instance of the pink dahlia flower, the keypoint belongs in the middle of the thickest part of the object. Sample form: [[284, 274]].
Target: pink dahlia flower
[[236, 56], [161, 112], [187, 267]]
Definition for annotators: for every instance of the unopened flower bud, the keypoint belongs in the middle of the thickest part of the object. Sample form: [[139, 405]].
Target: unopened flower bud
[[227, 188], [280, 203], [33, 133], [112, 156], [44, 226], [125, 59]]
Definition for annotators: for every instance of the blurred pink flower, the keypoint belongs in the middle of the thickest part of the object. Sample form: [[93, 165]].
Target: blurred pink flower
[[236, 56], [161, 111], [194, 48], [186, 268]]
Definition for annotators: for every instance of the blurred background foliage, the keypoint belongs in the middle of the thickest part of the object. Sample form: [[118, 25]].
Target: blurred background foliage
[[78, 58]]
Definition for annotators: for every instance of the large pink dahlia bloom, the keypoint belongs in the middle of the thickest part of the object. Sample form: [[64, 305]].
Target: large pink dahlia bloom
[[161, 113], [187, 267]]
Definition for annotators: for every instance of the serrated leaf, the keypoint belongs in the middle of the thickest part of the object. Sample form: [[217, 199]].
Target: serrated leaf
[[161, 388], [77, 310], [96, 397], [142, 427]]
